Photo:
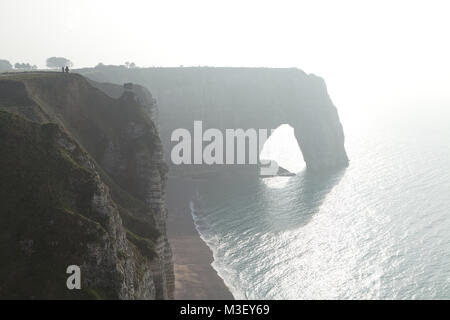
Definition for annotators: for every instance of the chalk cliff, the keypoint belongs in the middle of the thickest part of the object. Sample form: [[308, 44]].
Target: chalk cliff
[[260, 98], [82, 182]]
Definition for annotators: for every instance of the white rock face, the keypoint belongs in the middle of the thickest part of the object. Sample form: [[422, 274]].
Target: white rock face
[[137, 159], [111, 262]]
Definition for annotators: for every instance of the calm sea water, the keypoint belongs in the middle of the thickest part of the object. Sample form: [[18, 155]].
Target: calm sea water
[[379, 229]]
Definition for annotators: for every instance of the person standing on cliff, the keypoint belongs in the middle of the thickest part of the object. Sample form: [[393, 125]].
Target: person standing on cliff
[[67, 69], [62, 68]]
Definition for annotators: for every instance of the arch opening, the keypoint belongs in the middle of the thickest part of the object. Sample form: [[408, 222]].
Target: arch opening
[[282, 147]]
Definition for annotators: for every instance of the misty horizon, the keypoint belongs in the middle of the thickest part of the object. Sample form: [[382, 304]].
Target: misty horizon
[[383, 50]]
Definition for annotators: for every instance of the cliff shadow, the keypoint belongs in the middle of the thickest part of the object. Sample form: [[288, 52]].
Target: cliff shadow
[[292, 204]]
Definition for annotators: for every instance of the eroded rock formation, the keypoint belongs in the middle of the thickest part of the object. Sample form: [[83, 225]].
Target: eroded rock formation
[[259, 98], [105, 211]]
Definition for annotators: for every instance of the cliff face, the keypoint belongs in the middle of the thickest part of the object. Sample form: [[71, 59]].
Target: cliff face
[[124, 252], [231, 98]]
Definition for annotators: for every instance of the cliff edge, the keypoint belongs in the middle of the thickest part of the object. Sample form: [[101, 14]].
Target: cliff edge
[[231, 98], [82, 182]]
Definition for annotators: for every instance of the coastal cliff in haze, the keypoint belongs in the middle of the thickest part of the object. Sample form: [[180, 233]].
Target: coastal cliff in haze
[[261, 98], [82, 182], [83, 176]]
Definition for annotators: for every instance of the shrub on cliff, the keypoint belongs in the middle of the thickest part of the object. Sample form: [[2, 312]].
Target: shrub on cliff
[[5, 65]]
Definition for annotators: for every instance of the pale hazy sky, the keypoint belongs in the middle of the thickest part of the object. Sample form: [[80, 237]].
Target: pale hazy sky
[[397, 48]]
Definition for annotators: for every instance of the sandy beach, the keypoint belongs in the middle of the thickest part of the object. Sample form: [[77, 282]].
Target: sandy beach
[[195, 279]]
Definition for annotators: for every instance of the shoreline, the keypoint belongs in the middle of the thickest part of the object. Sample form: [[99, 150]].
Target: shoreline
[[195, 278]]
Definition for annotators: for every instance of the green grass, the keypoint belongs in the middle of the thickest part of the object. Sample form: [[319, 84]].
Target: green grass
[[33, 75], [146, 247]]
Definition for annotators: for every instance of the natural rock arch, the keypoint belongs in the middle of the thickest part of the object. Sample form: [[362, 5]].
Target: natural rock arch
[[231, 98], [309, 111]]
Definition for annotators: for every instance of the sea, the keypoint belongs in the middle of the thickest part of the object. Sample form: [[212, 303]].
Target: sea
[[379, 229]]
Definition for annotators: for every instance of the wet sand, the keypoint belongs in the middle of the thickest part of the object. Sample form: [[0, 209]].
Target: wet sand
[[195, 279]]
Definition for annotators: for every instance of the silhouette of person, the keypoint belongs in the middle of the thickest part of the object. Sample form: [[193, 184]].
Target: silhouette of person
[[67, 69], [62, 68]]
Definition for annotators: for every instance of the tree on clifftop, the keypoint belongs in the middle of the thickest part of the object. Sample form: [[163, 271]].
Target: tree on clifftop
[[130, 64], [58, 62], [25, 66], [5, 65]]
